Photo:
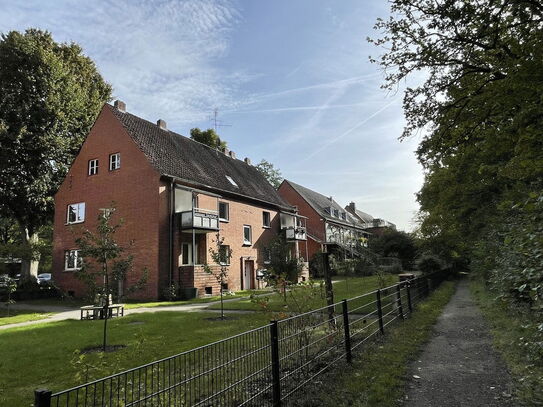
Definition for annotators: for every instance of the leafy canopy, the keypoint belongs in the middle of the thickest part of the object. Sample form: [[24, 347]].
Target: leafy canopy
[[50, 95], [208, 137], [272, 174]]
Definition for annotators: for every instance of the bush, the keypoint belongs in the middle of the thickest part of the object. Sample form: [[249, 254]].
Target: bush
[[428, 263]]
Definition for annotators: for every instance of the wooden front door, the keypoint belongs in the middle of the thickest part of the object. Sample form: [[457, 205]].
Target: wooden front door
[[248, 275]]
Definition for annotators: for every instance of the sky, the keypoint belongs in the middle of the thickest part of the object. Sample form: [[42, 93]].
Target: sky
[[291, 80]]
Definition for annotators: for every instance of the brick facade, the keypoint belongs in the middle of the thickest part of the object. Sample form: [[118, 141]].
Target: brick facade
[[143, 199], [314, 222]]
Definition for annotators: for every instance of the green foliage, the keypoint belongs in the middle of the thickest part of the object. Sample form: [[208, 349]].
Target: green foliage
[[272, 174], [284, 266], [396, 244], [208, 137], [428, 263], [50, 95]]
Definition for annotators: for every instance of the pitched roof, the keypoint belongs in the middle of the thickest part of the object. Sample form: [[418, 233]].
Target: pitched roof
[[365, 217], [320, 203], [172, 154]]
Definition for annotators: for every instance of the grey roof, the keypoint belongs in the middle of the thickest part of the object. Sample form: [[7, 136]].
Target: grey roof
[[172, 154], [365, 217], [320, 202]]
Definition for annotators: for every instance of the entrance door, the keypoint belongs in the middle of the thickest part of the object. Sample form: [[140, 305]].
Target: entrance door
[[248, 275]]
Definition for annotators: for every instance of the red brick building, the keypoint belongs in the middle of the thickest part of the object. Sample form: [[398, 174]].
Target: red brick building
[[329, 226], [174, 195]]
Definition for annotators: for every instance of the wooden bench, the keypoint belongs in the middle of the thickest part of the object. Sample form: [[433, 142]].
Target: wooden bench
[[97, 312]]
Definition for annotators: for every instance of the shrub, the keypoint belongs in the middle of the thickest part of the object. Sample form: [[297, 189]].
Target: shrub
[[428, 263]]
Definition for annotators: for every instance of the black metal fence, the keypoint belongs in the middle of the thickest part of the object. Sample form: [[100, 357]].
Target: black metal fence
[[267, 366]]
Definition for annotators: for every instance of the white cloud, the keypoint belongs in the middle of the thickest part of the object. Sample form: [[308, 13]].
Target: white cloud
[[159, 55]]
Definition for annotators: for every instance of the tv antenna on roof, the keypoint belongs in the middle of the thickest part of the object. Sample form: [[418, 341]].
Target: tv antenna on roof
[[216, 122]]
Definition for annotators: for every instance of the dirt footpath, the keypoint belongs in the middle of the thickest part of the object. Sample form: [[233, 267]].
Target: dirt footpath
[[459, 367]]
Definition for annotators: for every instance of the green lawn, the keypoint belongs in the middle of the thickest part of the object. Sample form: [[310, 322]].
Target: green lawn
[[45, 355], [378, 374], [343, 288], [17, 316], [203, 300]]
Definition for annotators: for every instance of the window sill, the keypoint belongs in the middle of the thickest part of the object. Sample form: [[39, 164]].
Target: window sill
[[74, 223], [247, 244], [266, 227], [224, 220]]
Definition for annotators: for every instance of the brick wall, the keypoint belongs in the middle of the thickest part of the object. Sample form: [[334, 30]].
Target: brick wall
[[134, 188], [315, 226]]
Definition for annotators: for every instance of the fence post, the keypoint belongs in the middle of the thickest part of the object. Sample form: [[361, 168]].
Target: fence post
[[408, 288], [348, 352], [380, 311], [275, 364], [42, 398], [399, 296]]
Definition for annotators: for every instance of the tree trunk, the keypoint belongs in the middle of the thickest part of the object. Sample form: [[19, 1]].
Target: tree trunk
[[31, 260]]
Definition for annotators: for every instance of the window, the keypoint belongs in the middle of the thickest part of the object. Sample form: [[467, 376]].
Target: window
[[76, 213], [72, 260], [229, 178], [186, 254], [336, 213], [343, 216], [266, 255], [93, 167], [246, 234], [224, 254], [266, 219], [114, 161], [224, 211]]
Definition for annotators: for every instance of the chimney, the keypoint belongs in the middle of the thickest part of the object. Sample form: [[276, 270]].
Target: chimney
[[226, 151], [330, 198], [232, 154], [162, 124], [352, 206], [247, 161], [120, 106]]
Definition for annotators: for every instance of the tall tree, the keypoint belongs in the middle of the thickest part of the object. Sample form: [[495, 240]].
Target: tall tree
[[478, 103], [208, 137], [272, 174], [50, 95]]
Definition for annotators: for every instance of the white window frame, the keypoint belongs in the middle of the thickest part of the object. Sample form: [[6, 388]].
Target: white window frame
[[188, 247], [231, 180], [245, 241], [263, 219], [79, 210], [78, 260], [93, 167], [266, 255], [227, 205], [114, 161], [228, 251]]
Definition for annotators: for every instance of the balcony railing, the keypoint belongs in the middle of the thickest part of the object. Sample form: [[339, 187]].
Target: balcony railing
[[295, 233], [200, 219]]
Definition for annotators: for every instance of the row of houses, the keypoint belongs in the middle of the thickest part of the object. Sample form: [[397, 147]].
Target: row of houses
[[178, 199]]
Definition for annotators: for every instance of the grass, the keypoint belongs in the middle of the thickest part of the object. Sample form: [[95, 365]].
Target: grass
[[46, 355], [378, 375], [202, 300], [344, 287], [17, 316], [512, 329]]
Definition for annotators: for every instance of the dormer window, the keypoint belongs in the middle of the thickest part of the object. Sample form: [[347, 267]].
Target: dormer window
[[336, 213], [114, 161], [343, 216], [229, 178], [93, 167], [328, 210]]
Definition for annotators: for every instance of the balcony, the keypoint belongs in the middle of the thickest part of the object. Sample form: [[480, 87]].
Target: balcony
[[295, 233], [201, 219]]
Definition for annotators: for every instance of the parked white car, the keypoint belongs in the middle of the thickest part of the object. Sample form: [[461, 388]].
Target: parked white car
[[44, 278]]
